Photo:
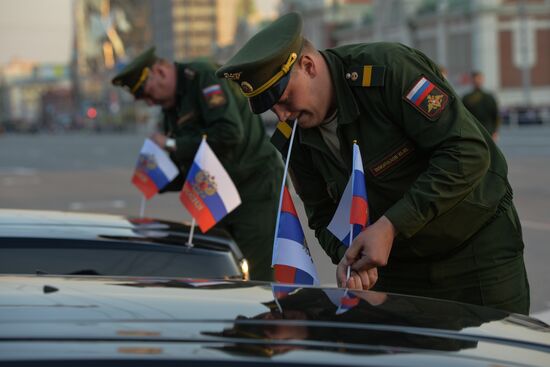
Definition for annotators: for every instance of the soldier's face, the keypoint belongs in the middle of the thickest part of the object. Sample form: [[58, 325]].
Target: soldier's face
[[304, 98], [159, 88]]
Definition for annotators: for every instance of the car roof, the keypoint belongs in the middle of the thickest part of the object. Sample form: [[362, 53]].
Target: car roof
[[115, 318], [15, 223]]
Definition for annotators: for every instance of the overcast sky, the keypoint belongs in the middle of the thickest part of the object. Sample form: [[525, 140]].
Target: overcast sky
[[38, 30], [41, 30]]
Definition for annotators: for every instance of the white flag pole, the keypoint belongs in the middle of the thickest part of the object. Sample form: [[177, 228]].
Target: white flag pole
[[276, 299], [191, 232], [351, 225], [295, 123], [193, 221], [142, 208]]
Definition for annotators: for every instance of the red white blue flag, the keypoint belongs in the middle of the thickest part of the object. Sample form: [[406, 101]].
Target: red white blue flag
[[154, 169], [343, 299], [352, 213], [347, 302], [291, 259], [208, 193]]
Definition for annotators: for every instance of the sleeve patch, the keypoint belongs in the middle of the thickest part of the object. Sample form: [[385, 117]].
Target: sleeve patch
[[214, 96], [427, 98]]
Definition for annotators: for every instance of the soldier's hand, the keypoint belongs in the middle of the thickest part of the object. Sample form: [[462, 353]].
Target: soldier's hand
[[362, 279], [370, 249], [159, 139]]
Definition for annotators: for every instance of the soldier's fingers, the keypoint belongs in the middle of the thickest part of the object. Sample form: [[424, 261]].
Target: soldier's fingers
[[373, 276], [342, 273], [353, 252], [354, 282], [365, 280], [363, 263]]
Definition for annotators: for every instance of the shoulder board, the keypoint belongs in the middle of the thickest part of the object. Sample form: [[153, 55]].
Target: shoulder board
[[366, 76], [189, 73]]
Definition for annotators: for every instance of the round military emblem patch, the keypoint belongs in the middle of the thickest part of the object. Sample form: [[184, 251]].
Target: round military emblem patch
[[246, 87]]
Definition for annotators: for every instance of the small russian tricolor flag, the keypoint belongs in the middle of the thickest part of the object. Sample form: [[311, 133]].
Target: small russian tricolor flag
[[420, 91], [291, 259], [213, 89], [154, 169], [352, 213], [208, 192]]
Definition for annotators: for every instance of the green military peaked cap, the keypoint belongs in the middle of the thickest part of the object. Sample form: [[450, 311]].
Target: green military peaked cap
[[134, 75], [261, 67]]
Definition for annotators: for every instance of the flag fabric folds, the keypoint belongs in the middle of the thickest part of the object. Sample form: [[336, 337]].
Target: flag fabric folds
[[291, 259], [154, 169], [208, 192], [352, 212]]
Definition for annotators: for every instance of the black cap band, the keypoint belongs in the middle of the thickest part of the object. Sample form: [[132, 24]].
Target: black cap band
[[265, 100]]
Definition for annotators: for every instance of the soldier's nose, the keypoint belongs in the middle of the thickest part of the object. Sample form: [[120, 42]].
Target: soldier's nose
[[282, 115]]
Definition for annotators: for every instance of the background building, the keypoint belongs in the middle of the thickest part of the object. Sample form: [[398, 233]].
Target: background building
[[188, 29], [22, 86], [507, 40], [107, 34]]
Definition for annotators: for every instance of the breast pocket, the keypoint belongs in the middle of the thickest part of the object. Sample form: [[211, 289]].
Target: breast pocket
[[397, 163]]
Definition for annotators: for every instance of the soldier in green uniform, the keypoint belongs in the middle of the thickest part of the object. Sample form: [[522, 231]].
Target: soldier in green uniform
[[482, 105], [194, 103], [442, 221]]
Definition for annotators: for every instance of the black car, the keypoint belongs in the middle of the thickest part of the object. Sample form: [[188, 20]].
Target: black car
[[47, 242], [100, 321]]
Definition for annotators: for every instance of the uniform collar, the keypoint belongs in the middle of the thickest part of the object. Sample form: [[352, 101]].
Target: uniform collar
[[346, 105], [348, 111], [180, 85]]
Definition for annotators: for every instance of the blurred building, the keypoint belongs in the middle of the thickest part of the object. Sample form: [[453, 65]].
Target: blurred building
[[322, 18], [107, 34], [188, 29], [507, 40], [22, 86]]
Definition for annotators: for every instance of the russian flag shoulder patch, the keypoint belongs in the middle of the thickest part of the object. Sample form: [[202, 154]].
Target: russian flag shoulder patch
[[214, 96], [427, 97]]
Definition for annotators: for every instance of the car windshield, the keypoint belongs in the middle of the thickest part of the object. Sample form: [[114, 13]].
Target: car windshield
[[48, 256]]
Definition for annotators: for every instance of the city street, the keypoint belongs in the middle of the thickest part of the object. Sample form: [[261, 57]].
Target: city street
[[91, 173]]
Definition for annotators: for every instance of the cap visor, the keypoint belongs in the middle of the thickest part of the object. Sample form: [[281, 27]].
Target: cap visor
[[264, 101]]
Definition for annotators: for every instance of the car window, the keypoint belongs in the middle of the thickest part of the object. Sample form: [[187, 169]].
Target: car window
[[50, 256]]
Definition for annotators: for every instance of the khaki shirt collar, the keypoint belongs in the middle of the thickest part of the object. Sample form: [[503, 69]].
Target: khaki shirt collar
[[180, 87], [348, 111]]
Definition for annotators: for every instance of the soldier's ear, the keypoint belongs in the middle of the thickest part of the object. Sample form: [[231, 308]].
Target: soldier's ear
[[307, 63], [159, 69]]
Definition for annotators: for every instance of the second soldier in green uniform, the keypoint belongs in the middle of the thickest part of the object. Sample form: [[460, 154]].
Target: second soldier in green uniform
[[482, 105], [194, 103], [443, 223]]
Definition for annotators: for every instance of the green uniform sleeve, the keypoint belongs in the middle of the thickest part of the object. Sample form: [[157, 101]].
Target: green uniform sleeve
[[459, 153], [219, 114]]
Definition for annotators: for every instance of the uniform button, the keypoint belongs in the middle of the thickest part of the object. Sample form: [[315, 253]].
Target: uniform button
[[348, 75], [354, 76]]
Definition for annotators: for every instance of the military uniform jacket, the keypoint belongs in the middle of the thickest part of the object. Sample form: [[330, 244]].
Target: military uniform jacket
[[484, 107], [211, 106], [428, 165]]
